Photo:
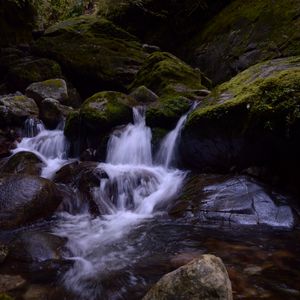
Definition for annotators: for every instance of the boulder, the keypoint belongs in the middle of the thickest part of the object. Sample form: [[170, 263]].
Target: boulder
[[25, 199], [243, 34], [52, 88], [23, 163], [97, 116], [232, 200], [16, 108], [252, 120], [10, 282], [22, 72], [143, 95], [203, 278], [37, 255], [176, 84], [52, 113], [108, 57]]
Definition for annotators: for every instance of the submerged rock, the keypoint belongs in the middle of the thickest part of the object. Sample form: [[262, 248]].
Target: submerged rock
[[108, 57], [25, 199], [203, 278], [23, 163], [243, 34], [237, 200]]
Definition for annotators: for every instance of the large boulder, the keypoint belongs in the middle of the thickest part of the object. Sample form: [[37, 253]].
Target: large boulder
[[203, 278], [97, 116], [168, 23], [252, 120], [243, 34], [108, 57], [25, 199], [221, 200], [176, 84], [16, 108]]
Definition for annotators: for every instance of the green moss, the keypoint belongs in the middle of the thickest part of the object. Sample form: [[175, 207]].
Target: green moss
[[55, 83], [266, 97], [5, 297], [72, 126]]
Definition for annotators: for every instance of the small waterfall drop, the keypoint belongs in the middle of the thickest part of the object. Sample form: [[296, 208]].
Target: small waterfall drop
[[166, 154], [50, 145], [134, 191]]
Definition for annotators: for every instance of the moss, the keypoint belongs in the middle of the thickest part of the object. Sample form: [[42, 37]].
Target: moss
[[246, 33], [72, 125], [266, 97], [5, 297], [53, 83]]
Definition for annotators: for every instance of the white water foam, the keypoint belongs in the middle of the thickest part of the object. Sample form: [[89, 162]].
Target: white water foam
[[134, 191]]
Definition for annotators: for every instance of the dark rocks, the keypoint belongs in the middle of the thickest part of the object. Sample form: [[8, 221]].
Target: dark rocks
[[52, 113], [239, 200], [143, 95], [25, 199], [203, 278], [23, 163]]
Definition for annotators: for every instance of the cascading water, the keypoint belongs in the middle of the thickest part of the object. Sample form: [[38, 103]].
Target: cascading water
[[50, 145], [134, 191]]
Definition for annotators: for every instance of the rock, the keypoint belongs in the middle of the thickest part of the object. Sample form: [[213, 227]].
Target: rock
[[108, 57], [38, 255], [52, 113], [23, 163], [27, 70], [16, 108], [10, 282], [97, 116], [236, 200], [3, 252], [52, 88], [168, 24], [252, 120], [143, 95], [203, 278], [244, 34], [174, 82], [85, 177], [25, 199]]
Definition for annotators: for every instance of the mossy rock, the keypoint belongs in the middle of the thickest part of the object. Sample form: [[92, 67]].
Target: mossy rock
[[108, 56], [176, 84], [97, 116], [244, 34], [28, 70], [16, 108], [254, 119]]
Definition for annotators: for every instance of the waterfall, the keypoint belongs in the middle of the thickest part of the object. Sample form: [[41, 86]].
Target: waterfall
[[166, 154], [134, 191], [50, 146]]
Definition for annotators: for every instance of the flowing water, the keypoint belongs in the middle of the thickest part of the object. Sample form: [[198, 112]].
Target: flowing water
[[140, 191], [50, 146]]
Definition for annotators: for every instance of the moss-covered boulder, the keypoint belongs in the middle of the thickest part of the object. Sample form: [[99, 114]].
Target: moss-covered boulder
[[246, 33], [253, 119], [176, 84], [16, 108], [27, 70], [93, 52], [97, 116], [168, 23]]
